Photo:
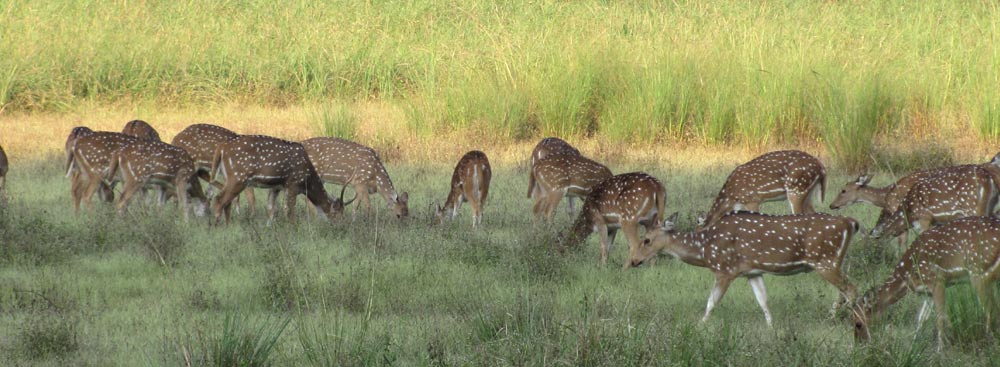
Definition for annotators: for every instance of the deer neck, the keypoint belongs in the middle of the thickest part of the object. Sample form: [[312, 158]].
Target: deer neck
[[582, 227], [875, 195], [686, 247], [316, 194], [889, 292], [385, 188]]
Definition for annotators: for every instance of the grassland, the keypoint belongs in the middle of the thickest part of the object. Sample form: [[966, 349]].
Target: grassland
[[149, 289], [844, 74]]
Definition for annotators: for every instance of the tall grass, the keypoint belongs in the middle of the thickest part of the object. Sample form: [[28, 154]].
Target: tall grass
[[719, 72]]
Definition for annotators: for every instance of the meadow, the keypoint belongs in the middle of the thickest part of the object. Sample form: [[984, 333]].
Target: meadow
[[684, 90], [149, 289]]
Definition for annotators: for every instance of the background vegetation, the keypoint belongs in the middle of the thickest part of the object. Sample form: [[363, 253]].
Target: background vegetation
[[843, 73]]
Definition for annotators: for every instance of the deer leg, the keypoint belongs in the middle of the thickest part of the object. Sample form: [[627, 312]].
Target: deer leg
[[361, 190], [631, 230], [272, 205], [938, 293], [986, 299], [223, 201], [757, 283], [721, 285], [75, 191], [606, 240], [290, 203], [551, 203], [847, 291], [180, 187], [88, 193], [538, 209], [570, 206], [130, 189]]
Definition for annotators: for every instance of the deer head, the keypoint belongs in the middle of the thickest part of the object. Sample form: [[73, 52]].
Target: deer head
[[851, 193]]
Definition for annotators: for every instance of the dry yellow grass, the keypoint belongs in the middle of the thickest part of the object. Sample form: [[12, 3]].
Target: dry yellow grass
[[34, 136]]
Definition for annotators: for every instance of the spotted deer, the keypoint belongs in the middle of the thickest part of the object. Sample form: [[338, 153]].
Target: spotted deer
[[273, 164], [90, 158], [960, 191], [563, 175], [548, 147], [963, 249], [76, 182], [888, 198], [621, 202], [747, 244], [200, 142], [343, 162], [774, 176], [4, 165], [153, 163], [141, 130], [470, 182]]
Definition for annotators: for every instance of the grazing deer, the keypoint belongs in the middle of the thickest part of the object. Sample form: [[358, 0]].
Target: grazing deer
[[76, 182], [748, 244], [273, 164], [344, 162], [200, 142], [966, 248], [141, 130], [960, 191], [4, 165], [563, 175], [470, 182], [154, 163], [774, 176], [545, 148], [887, 198], [624, 201], [90, 157]]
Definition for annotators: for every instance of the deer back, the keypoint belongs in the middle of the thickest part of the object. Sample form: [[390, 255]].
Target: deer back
[[766, 177], [957, 192], [141, 130], [200, 142], [92, 153], [551, 147], [630, 196], [744, 242], [343, 161], [575, 173]]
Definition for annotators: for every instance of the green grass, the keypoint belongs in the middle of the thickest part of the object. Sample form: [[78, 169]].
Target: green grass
[[741, 73], [149, 289]]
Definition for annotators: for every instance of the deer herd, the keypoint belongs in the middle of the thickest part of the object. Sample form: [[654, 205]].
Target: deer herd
[[950, 208]]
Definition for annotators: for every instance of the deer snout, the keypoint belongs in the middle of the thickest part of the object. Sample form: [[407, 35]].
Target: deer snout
[[635, 263]]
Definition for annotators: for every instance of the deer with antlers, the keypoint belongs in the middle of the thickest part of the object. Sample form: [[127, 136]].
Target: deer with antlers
[[548, 147], [774, 176], [90, 158], [748, 244], [624, 202], [960, 191], [153, 163], [343, 162], [470, 182], [273, 164], [963, 249], [563, 175], [200, 142], [141, 129]]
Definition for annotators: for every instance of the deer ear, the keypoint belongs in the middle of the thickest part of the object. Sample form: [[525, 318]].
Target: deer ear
[[864, 179], [403, 198]]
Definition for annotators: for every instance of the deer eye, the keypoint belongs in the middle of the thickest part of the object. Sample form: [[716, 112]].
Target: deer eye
[[645, 241], [843, 191]]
